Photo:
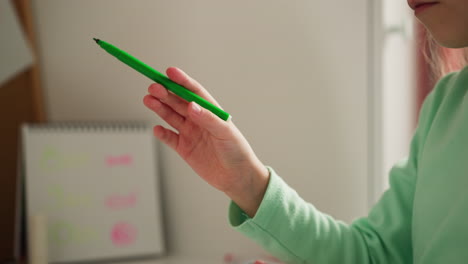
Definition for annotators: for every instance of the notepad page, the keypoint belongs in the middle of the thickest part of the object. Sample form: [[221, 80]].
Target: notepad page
[[99, 189]]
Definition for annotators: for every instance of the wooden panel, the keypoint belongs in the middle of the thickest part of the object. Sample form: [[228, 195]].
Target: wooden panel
[[21, 102], [23, 9]]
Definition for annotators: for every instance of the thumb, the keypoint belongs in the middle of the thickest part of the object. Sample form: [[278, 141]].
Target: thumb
[[209, 121]]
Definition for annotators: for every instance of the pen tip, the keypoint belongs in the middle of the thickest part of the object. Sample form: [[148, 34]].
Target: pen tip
[[97, 40]]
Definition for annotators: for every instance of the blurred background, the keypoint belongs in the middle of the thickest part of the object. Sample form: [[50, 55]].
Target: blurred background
[[325, 92]]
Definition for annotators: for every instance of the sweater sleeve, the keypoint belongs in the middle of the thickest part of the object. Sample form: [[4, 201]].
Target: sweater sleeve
[[296, 232]]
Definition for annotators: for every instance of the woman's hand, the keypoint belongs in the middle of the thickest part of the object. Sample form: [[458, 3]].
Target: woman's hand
[[215, 149]]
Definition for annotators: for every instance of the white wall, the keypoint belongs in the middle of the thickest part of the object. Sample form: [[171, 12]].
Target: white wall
[[392, 101], [294, 75], [398, 84]]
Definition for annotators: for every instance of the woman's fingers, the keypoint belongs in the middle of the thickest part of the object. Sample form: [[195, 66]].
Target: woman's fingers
[[167, 136], [175, 110], [209, 121], [180, 77], [170, 99], [164, 111], [175, 102]]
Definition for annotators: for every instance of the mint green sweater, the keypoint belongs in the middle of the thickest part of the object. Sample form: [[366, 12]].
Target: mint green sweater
[[421, 218]]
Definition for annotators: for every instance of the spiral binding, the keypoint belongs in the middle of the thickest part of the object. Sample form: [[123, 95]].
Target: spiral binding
[[87, 126]]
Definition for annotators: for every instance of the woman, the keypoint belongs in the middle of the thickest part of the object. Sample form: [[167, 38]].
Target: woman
[[421, 218]]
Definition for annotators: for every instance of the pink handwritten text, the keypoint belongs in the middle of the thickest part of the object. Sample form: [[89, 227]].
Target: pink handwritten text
[[123, 234], [121, 160], [118, 201]]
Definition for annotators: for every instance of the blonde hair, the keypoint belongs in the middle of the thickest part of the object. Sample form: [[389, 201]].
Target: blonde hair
[[442, 60]]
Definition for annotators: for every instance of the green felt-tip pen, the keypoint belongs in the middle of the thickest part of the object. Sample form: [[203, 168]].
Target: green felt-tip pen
[[160, 78]]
